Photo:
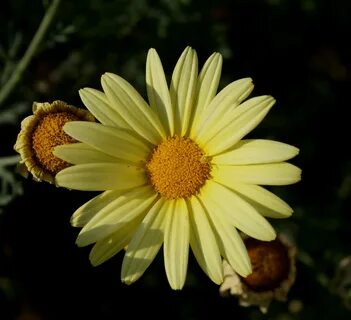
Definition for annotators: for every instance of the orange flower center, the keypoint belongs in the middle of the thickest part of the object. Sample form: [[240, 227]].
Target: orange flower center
[[47, 135], [270, 264], [178, 168]]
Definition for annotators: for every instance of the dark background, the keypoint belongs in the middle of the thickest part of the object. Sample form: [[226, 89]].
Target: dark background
[[296, 50]]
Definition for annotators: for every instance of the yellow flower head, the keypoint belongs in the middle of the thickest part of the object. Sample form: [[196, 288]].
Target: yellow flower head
[[175, 171], [40, 133]]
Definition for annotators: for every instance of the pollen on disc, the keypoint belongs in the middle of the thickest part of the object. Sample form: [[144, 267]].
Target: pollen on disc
[[178, 168]]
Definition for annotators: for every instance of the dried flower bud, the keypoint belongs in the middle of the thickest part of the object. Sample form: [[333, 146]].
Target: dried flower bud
[[274, 273]]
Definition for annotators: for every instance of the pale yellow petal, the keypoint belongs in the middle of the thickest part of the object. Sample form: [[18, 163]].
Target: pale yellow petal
[[242, 120], [89, 209], [157, 91], [183, 89], [203, 242], [106, 248], [101, 177], [238, 212], [264, 174], [144, 245], [214, 117], [97, 103], [265, 211], [132, 204], [207, 86], [132, 108], [115, 142], [256, 151], [229, 241], [176, 243], [80, 153], [265, 202]]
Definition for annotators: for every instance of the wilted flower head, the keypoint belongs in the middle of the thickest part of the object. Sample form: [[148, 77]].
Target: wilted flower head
[[273, 274]]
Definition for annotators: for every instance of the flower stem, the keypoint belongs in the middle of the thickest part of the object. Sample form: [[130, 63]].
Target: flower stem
[[7, 161], [28, 55]]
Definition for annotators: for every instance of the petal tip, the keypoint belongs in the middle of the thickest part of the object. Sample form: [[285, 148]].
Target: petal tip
[[245, 269], [127, 278], [288, 213], [127, 281], [68, 126], [56, 151], [75, 220], [269, 98], [272, 235], [94, 262], [176, 286], [152, 51], [80, 242], [294, 151], [246, 80], [107, 76], [299, 175], [58, 176]]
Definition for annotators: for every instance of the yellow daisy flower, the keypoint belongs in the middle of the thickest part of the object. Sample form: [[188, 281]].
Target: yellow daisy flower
[[175, 171]]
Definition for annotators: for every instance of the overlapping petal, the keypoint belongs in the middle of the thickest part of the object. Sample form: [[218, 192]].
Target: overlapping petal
[[157, 91], [238, 212], [132, 108], [229, 241], [203, 242], [115, 142], [214, 116], [106, 248], [274, 174], [101, 176], [255, 152], [238, 123], [264, 201], [145, 244], [176, 243], [126, 207], [97, 103], [88, 210], [80, 153], [207, 86], [183, 89]]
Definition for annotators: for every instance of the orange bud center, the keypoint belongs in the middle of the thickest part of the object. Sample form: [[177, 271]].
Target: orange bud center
[[47, 135]]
